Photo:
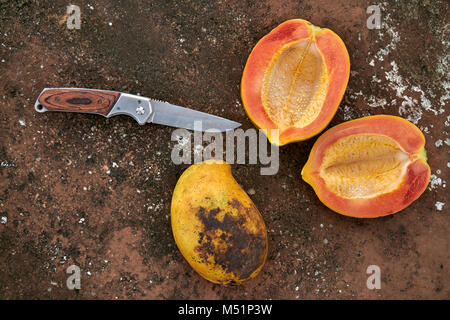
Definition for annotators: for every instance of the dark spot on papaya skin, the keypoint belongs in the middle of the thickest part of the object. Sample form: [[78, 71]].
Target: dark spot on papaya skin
[[236, 204], [244, 251], [201, 236], [214, 212]]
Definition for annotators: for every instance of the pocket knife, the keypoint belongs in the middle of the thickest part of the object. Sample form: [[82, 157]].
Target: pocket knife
[[143, 110]]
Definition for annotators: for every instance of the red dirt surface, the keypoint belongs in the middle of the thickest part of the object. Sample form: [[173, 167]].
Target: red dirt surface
[[95, 192]]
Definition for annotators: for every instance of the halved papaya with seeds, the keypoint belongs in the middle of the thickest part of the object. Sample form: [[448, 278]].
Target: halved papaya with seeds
[[294, 80], [369, 167]]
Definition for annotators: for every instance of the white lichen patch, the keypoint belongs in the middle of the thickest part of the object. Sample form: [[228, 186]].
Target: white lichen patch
[[350, 113], [439, 205], [412, 100], [392, 45], [446, 96], [347, 113], [410, 108], [388, 29], [376, 79], [424, 129], [436, 182], [375, 102]]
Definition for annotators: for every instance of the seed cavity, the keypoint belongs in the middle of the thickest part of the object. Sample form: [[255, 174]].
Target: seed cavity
[[295, 85], [364, 166]]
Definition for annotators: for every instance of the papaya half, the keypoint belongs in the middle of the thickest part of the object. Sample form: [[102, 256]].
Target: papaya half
[[369, 167], [294, 80], [216, 226]]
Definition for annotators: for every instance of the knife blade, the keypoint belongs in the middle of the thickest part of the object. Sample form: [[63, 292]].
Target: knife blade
[[143, 110]]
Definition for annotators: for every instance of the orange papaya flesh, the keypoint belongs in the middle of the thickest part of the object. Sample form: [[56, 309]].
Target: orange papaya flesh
[[294, 80], [369, 167]]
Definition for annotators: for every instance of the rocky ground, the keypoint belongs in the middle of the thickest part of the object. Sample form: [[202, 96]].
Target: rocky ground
[[94, 192]]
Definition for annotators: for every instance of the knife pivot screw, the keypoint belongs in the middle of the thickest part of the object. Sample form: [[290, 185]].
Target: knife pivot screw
[[140, 110], [99, 101]]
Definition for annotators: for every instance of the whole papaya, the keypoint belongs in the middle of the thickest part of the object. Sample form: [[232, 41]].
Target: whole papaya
[[216, 226]]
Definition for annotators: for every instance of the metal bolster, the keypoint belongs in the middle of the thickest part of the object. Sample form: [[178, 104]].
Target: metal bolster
[[137, 107]]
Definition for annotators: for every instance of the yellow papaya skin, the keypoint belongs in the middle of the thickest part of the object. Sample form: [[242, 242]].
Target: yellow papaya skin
[[216, 226]]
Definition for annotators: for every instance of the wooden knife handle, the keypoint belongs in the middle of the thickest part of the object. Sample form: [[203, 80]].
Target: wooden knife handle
[[77, 100]]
